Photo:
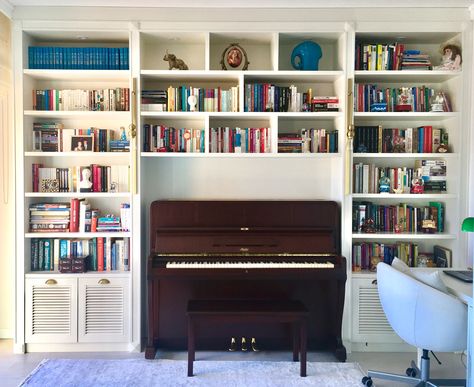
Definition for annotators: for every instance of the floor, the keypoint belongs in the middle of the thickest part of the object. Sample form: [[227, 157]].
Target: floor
[[14, 368]]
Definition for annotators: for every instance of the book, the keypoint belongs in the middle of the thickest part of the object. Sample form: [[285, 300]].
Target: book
[[442, 256]]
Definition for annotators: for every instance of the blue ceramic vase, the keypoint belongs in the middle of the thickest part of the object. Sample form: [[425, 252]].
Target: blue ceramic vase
[[308, 54]]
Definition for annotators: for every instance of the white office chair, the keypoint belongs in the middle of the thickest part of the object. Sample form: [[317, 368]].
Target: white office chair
[[424, 317]]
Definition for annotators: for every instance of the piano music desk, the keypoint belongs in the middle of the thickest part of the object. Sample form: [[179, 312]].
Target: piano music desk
[[255, 311]]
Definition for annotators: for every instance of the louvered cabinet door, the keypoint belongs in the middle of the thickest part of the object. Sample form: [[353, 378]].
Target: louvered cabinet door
[[51, 310], [104, 314], [369, 324]]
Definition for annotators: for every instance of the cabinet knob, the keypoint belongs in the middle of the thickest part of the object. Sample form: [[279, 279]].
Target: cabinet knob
[[374, 282], [104, 281], [51, 282]]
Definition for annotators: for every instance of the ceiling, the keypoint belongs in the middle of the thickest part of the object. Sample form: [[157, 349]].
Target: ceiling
[[243, 3]]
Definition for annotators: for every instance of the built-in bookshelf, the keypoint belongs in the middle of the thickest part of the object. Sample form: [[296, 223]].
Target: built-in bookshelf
[[402, 142], [78, 202], [266, 132]]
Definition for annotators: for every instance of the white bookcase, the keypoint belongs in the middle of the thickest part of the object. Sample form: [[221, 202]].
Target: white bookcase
[[429, 39], [78, 322], [223, 176]]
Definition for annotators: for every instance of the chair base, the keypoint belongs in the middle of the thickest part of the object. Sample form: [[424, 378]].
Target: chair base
[[415, 376]]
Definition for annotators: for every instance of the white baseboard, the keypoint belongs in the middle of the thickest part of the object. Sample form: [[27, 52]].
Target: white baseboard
[[79, 347], [382, 347], [6, 334]]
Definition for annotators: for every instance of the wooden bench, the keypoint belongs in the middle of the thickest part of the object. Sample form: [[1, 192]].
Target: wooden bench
[[250, 311]]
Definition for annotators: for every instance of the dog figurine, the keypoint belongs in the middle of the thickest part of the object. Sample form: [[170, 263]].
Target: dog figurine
[[174, 62]]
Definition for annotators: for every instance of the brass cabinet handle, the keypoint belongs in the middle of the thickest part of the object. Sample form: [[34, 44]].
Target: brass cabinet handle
[[51, 282], [104, 281], [374, 282]]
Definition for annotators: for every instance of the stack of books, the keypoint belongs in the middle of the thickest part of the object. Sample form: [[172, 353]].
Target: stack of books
[[109, 223], [415, 60], [433, 173], [154, 100], [49, 217]]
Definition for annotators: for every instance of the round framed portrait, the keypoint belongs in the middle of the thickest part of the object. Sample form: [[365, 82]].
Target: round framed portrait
[[234, 57]]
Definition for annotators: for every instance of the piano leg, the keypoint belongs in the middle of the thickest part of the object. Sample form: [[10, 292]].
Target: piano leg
[[303, 340], [340, 350], [296, 340], [150, 349]]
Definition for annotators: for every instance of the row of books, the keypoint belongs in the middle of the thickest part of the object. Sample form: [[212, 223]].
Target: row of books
[[423, 139], [395, 218], [82, 100], [93, 178], [188, 98], [103, 253], [161, 138], [53, 137], [240, 140], [83, 218], [308, 141], [369, 178], [377, 56], [366, 255], [371, 98], [78, 58]]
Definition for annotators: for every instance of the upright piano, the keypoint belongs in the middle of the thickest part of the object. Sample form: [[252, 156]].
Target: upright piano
[[245, 250]]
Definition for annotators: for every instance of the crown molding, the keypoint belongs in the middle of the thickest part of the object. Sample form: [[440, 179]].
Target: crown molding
[[6, 8]]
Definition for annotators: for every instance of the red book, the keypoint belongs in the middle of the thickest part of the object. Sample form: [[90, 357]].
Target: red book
[[428, 139], [74, 220], [100, 254]]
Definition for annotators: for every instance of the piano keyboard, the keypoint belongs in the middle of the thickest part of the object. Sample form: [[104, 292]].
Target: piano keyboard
[[249, 265]]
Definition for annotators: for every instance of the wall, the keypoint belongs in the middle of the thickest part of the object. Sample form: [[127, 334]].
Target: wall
[[7, 182]]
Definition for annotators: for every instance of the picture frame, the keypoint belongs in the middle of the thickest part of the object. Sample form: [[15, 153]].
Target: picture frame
[[83, 143], [234, 57]]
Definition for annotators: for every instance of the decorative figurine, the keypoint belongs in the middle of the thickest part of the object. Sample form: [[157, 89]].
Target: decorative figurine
[[175, 63], [404, 100], [417, 184], [451, 59], [368, 227], [123, 135], [234, 57], [384, 183], [306, 56], [192, 101], [436, 102]]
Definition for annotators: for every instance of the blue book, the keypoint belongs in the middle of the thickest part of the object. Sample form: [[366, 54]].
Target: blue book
[[63, 248], [31, 53]]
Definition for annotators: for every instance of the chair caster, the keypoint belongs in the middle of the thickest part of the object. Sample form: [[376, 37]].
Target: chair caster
[[411, 372], [367, 381]]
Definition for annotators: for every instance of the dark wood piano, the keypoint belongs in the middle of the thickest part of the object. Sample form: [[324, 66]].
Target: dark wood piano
[[245, 250]]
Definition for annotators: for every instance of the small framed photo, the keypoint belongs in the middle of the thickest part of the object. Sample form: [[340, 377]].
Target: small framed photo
[[234, 57], [82, 143]]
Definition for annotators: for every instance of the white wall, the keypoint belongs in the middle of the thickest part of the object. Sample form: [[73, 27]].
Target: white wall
[[7, 182]]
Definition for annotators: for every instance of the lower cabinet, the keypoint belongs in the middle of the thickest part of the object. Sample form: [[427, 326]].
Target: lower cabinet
[[77, 309], [369, 324]]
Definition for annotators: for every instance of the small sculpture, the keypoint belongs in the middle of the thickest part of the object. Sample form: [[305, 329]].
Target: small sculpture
[[368, 227], [306, 56], [175, 63], [437, 102], [384, 183], [451, 59]]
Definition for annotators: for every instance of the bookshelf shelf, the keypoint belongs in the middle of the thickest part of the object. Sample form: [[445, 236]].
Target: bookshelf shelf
[[406, 155], [417, 76], [239, 155], [115, 115], [87, 155], [79, 75], [389, 196], [78, 234], [403, 236], [88, 274], [408, 116], [77, 194]]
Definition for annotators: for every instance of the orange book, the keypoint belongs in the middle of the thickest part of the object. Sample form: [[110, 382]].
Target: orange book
[[100, 254]]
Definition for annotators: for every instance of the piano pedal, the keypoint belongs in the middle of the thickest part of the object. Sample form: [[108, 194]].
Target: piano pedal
[[233, 345], [244, 344], [253, 344]]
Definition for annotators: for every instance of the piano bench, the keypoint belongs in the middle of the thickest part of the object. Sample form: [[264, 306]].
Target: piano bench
[[250, 311]]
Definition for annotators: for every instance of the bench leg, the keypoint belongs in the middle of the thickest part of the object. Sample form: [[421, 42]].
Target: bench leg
[[191, 346], [296, 338], [303, 340]]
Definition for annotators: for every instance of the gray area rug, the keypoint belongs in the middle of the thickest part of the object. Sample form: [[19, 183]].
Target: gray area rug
[[162, 373]]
